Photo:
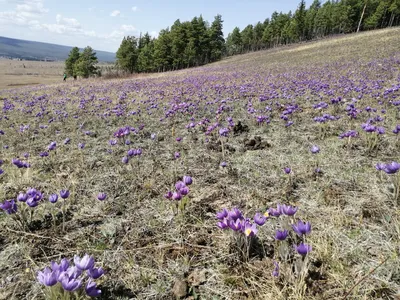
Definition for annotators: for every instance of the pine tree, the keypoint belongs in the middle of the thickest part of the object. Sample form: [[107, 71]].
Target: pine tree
[[85, 66], [70, 62], [234, 42], [300, 18], [127, 54], [216, 37], [162, 51]]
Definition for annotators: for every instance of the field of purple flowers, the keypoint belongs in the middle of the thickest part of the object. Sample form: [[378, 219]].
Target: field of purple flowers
[[272, 175]]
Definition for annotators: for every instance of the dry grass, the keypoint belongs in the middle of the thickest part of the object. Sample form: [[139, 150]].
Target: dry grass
[[134, 233], [14, 74]]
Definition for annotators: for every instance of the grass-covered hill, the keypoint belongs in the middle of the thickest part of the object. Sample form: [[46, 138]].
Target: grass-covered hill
[[30, 50], [272, 175]]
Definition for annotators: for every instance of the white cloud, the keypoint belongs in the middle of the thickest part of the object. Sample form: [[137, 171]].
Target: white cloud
[[63, 26], [127, 28], [135, 8], [32, 7], [154, 34], [69, 22], [26, 13], [30, 13], [115, 13]]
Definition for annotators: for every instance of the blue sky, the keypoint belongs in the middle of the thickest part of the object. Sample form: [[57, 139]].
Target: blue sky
[[102, 24]]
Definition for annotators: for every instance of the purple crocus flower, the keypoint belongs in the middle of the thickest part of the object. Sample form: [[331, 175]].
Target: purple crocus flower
[[53, 198], [52, 146], [44, 154], [380, 130], [125, 159], [281, 235], [81, 145], [259, 219], [177, 155], [1, 171], [179, 185], [396, 130], [66, 141], [289, 123], [184, 191], [391, 168], [95, 272], [275, 273], [178, 139], [64, 194], [168, 195], [47, 277], [9, 206], [289, 210], [235, 225], [32, 202], [380, 166], [177, 196], [368, 127], [131, 152], [91, 289], [84, 263], [187, 180], [17, 163], [224, 132], [223, 224], [101, 196], [22, 197], [70, 284], [35, 194], [222, 215], [274, 212], [302, 228], [223, 164], [315, 149], [71, 272], [287, 170], [62, 267], [235, 214], [303, 249], [250, 229]]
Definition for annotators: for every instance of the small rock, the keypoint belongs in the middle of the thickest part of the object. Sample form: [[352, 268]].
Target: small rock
[[197, 277], [180, 288]]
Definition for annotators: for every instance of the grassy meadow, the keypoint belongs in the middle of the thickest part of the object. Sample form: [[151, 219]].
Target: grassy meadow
[[150, 163]]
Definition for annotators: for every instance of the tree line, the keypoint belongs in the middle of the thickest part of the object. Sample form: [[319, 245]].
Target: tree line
[[185, 44], [196, 42], [319, 20]]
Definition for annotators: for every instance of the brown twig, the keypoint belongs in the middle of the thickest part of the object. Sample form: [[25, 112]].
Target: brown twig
[[363, 278]]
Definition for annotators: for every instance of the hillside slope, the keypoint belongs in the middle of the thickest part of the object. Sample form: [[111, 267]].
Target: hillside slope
[[31, 50]]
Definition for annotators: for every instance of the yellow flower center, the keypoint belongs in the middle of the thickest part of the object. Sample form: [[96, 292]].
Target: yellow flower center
[[247, 232], [266, 214]]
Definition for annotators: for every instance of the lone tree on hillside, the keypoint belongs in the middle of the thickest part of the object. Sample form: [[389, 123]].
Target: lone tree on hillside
[[81, 64], [127, 54], [70, 62], [85, 65]]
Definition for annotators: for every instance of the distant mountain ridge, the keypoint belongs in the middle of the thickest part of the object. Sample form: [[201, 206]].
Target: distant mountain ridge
[[30, 50]]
